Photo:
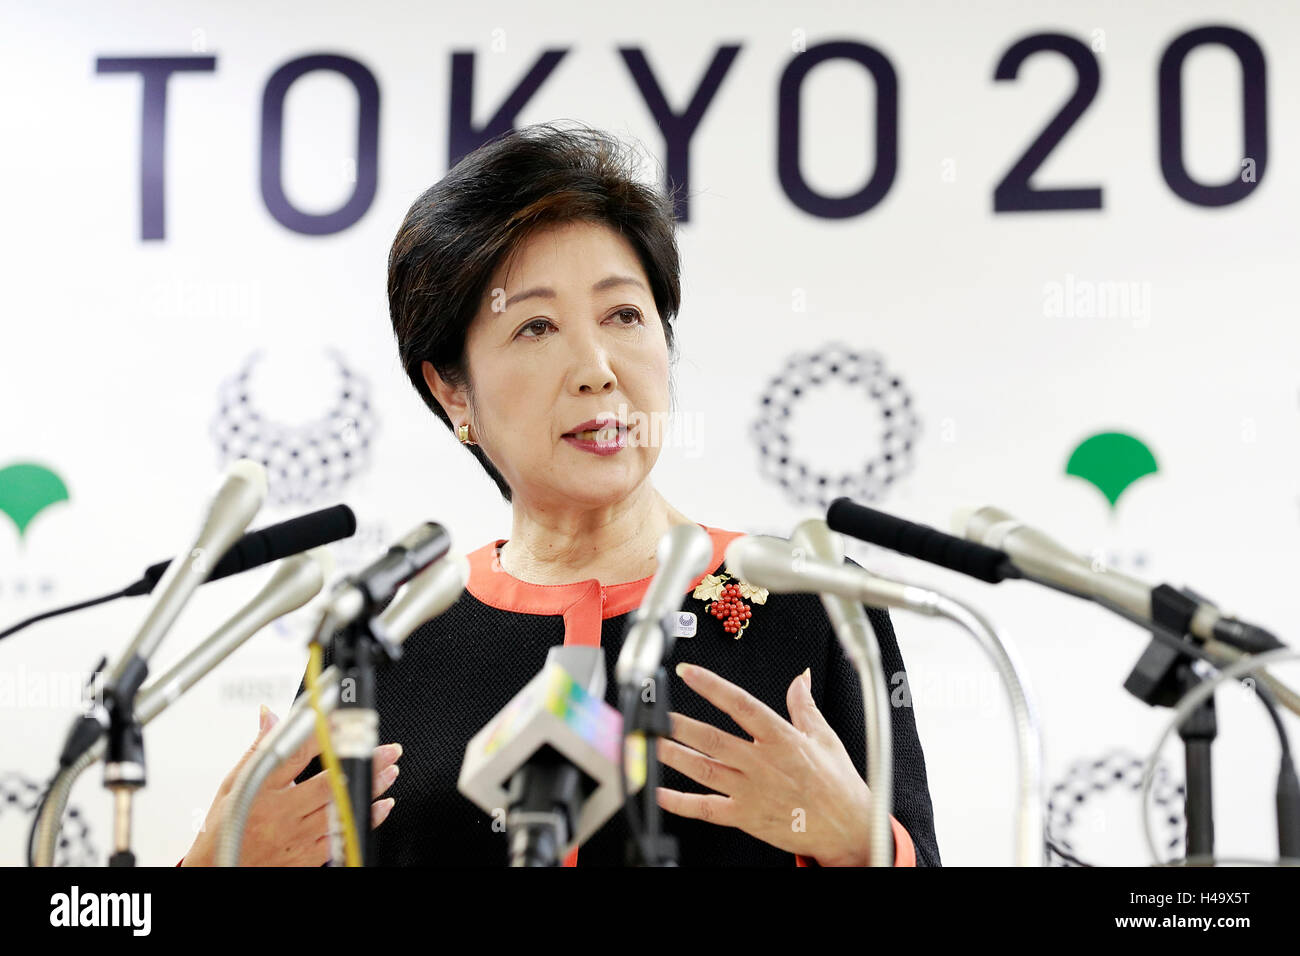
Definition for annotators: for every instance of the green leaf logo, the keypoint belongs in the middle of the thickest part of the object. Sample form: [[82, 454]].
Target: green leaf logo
[[27, 489], [1111, 462]]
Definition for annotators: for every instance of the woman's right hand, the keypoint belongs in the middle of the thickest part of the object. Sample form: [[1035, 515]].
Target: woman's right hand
[[288, 824]]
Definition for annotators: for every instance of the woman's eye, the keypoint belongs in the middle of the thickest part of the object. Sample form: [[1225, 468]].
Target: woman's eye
[[624, 317], [534, 324]]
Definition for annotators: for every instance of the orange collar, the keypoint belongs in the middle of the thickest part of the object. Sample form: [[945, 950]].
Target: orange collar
[[492, 585]]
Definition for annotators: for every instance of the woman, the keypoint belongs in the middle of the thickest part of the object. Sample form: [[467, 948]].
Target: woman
[[531, 293]]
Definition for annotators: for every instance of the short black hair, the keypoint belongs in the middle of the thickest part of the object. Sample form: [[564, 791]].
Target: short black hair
[[460, 229]]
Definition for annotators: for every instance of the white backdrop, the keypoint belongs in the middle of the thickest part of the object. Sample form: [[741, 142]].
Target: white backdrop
[[116, 348]]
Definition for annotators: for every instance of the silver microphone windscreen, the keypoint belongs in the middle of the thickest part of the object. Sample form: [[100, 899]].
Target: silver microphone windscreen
[[856, 634], [685, 552], [780, 566], [296, 581], [1039, 556], [228, 515], [422, 598]]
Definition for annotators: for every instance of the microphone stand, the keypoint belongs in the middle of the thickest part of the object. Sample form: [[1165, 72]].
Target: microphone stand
[[648, 720], [297, 581], [354, 724], [124, 767], [1162, 676]]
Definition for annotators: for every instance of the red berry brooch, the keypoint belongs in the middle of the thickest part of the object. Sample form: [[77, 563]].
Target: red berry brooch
[[726, 596]]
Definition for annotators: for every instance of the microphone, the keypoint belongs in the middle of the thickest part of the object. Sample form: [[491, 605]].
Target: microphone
[[685, 552], [361, 593], [295, 582], [254, 549], [775, 564], [857, 636], [1167, 613], [424, 597], [228, 514], [1038, 556], [236, 502], [354, 724], [919, 541], [268, 544], [551, 757]]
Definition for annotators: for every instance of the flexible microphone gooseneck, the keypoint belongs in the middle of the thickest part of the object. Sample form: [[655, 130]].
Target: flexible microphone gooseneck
[[685, 552], [772, 563], [1041, 558], [858, 638]]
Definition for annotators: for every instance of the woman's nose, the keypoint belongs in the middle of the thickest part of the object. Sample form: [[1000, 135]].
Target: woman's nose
[[591, 370], [596, 383]]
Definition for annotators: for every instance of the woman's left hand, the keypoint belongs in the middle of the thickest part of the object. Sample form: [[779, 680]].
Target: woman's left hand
[[793, 786]]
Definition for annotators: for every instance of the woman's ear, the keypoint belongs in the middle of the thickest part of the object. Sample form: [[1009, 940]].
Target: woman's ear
[[451, 399]]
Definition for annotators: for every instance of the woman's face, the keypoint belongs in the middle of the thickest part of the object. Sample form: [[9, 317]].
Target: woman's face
[[569, 333]]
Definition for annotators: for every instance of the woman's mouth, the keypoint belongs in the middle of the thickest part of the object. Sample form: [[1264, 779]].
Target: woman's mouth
[[599, 441]]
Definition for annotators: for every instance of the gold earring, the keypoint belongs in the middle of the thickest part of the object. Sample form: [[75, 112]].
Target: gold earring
[[463, 434]]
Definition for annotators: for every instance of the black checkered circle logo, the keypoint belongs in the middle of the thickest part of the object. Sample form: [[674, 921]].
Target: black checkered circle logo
[[804, 481], [75, 847], [304, 463], [1118, 770]]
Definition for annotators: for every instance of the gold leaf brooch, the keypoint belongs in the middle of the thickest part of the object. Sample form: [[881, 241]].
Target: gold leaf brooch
[[726, 596]]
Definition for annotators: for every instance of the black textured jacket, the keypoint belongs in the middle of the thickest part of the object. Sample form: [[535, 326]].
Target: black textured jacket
[[459, 669]]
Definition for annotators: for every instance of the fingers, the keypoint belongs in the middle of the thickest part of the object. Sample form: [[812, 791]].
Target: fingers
[[711, 741], [804, 713], [754, 717], [266, 721], [284, 774], [704, 770], [379, 811], [307, 844], [312, 794], [708, 807], [314, 828]]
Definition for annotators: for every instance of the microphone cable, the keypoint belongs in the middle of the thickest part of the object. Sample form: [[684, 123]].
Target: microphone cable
[[252, 550], [1288, 793], [125, 592], [333, 769]]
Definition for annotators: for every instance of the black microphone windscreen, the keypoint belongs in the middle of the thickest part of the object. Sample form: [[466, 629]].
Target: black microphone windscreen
[[918, 541], [271, 544]]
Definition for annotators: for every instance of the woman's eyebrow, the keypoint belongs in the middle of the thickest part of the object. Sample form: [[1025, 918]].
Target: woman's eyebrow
[[545, 292], [610, 282]]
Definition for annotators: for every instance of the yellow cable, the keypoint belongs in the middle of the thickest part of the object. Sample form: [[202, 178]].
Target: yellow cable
[[333, 770]]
